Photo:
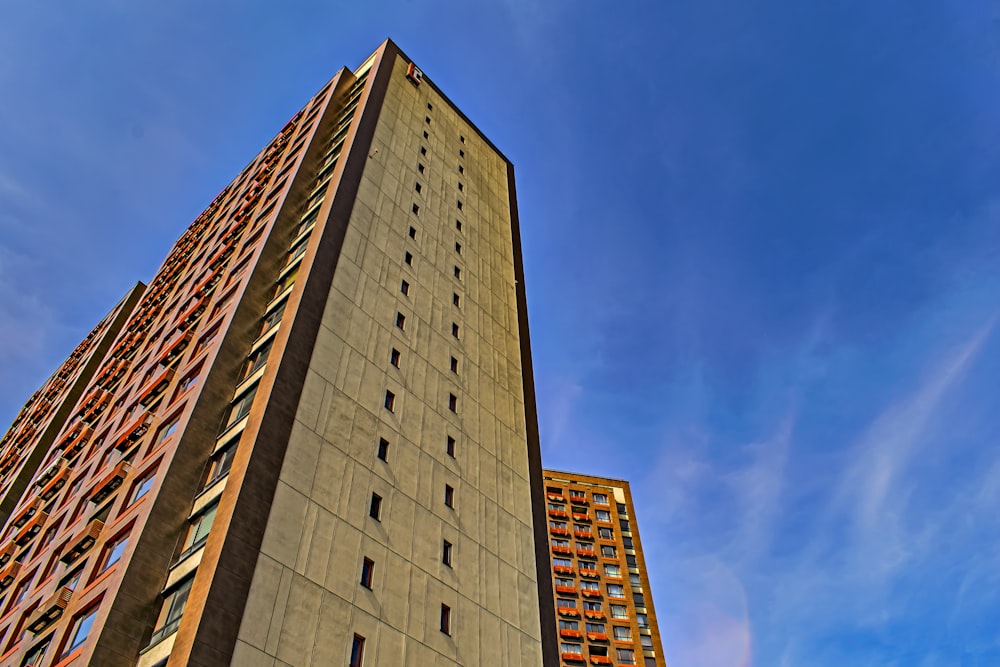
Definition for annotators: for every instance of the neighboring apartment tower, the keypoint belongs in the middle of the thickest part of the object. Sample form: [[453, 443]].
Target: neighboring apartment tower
[[603, 602], [314, 442]]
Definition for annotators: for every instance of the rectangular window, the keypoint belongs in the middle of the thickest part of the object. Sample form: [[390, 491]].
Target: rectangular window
[[446, 553], [375, 508], [415, 209], [566, 603], [605, 533], [357, 651], [451, 446], [401, 321], [420, 167], [612, 571], [592, 606], [638, 600], [445, 619], [198, 529], [418, 187], [460, 186], [394, 357], [423, 150], [642, 620], [241, 406], [461, 153], [453, 402], [461, 169], [405, 288], [626, 656], [600, 499], [167, 431], [367, 572], [413, 232], [458, 273], [390, 401], [408, 258], [142, 487], [82, 625], [616, 591], [220, 464], [458, 247], [609, 552], [574, 649], [427, 119], [619, 611], [569, 625], [458, 225], [454, 365], [449, 496], [455, 298], [383, 449], [454, 330], [630, 560], [171, 611], [460, 205]]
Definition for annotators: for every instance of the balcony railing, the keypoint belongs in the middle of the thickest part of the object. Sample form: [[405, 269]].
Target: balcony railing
[[83, 541], [51, 610], [111, 482]]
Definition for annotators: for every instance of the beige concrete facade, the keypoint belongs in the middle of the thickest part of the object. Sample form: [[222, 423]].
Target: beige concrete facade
[[305, 603]]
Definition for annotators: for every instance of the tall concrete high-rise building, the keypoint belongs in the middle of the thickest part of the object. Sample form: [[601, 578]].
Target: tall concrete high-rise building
[[314, 440], [603, 602]]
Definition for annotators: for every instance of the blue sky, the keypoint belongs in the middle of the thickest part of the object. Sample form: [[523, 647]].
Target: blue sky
[[761, 244]]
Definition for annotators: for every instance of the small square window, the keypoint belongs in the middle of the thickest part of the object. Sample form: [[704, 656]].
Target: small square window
[[460, 205], [420, 167], [394, 357], [427, 119], [461, 153], [446, 553], [430, 107], [450, 447], [458, 272], [383, 449], [453, 402], [454, 330], [408, 258], [461, 138], [426, 136], [418, 188], [401, 321], [446, 619], [458, 225], [449, 496], [461, 187], [357, 651], [461, 169], [423, 150], [375, 508], [367, 572], [413, 232], [455, 299], [390, 401], [454, 365], [404, 287], [415, 209], [458, 247]]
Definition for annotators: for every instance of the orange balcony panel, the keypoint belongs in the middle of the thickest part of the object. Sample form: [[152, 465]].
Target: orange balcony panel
[[156, 386], [83, 541], [32, 528], [8, 574], [556, 498], [57, 482], [562, 569], [566, 590], [559, 531], [573, 657], [27, 513], [7, 553], [586, 553], [592, 613], [76, 440], [559, 514], [176, 348], [570, 634], [223, 253], [51, 610], [589, 573], [591, 593], [581, 517], [583, 535], [562, 550], [134, 430], [205, 286], [575, 498], [111, 482], [600, 660], [568, 611], [597, 637], [92, 399], [193, 312]]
